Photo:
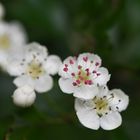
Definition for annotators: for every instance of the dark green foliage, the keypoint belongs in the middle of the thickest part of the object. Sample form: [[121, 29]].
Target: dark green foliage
[[110, 28]]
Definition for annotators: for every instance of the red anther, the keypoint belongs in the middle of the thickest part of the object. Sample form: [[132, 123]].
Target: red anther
[[90, 82], [79, 73], [74, 84], [98, 74], [86, 82], [87, 70], [66, 65], [94, 71], [71, 62], [85, 59], [88, 73], [78, 81], [97, 63], [73, 74], [79, 67], [65, 69]]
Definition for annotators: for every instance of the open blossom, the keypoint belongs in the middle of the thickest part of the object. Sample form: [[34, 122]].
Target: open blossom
[[33, 67], [24, 96], [2, 11], [12, 37], [103, 110], [82, 76]]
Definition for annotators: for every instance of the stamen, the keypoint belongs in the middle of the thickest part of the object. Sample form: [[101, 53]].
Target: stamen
[[65, 69], [73, 74], [79, 67], [71, 62], [85, 59], [97, 64]]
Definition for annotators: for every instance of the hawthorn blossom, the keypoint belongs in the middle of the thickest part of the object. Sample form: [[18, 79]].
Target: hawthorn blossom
[[12, 37], [102, 110], [82, 76], [34, 67], [24, 96], [2, 11]]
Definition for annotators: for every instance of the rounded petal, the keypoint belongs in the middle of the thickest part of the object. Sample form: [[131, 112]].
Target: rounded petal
[[52, 65], [17, 34], [24, 96], [14, 66], [35, 50], [87, 117], [111, 121], [66, 85], [81, 104], [86, 92], [103, 91], [89, 60], [120, 100], [44, 83], [24, 80], [69, 66], [103, 76]]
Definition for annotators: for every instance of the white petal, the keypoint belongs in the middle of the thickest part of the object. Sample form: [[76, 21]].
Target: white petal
[[89, 60], [36, 50], [88, 117], [17, 34], [24, 80], [44, 83], [66, 85], [86, 92], [70, 64], [81, 104], [24, 96], [52, 65], [111, 121], [14, 67], [120, 100], [103, 91], [103, 78], [84, 60]]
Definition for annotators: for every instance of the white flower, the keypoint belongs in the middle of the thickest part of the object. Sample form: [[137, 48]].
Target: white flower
[[33, 67], [103, 110], [83, 75], [2, 11], [12, 37], [24, 96]]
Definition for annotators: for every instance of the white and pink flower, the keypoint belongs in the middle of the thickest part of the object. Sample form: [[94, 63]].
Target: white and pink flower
[[82, 75]]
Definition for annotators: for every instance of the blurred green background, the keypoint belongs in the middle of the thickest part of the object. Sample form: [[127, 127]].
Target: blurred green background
[[110, 28]]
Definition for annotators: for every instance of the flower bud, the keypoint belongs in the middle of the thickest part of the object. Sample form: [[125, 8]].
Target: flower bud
[[24, 96]]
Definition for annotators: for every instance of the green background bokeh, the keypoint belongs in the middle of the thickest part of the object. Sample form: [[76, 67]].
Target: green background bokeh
[[109, 28]]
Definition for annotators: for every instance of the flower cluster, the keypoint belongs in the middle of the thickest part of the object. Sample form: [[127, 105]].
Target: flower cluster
[[28, 62], [95, 104], [83, 76]]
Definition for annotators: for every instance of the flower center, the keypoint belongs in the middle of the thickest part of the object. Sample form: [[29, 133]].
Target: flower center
[[4, 42], [82, 77], [101, 105], [35, 69]]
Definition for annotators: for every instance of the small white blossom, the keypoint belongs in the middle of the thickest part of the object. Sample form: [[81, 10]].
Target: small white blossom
[[103, 110], [12, 37], [83, 75], [24, 96], [2, 11], [34, 68]]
